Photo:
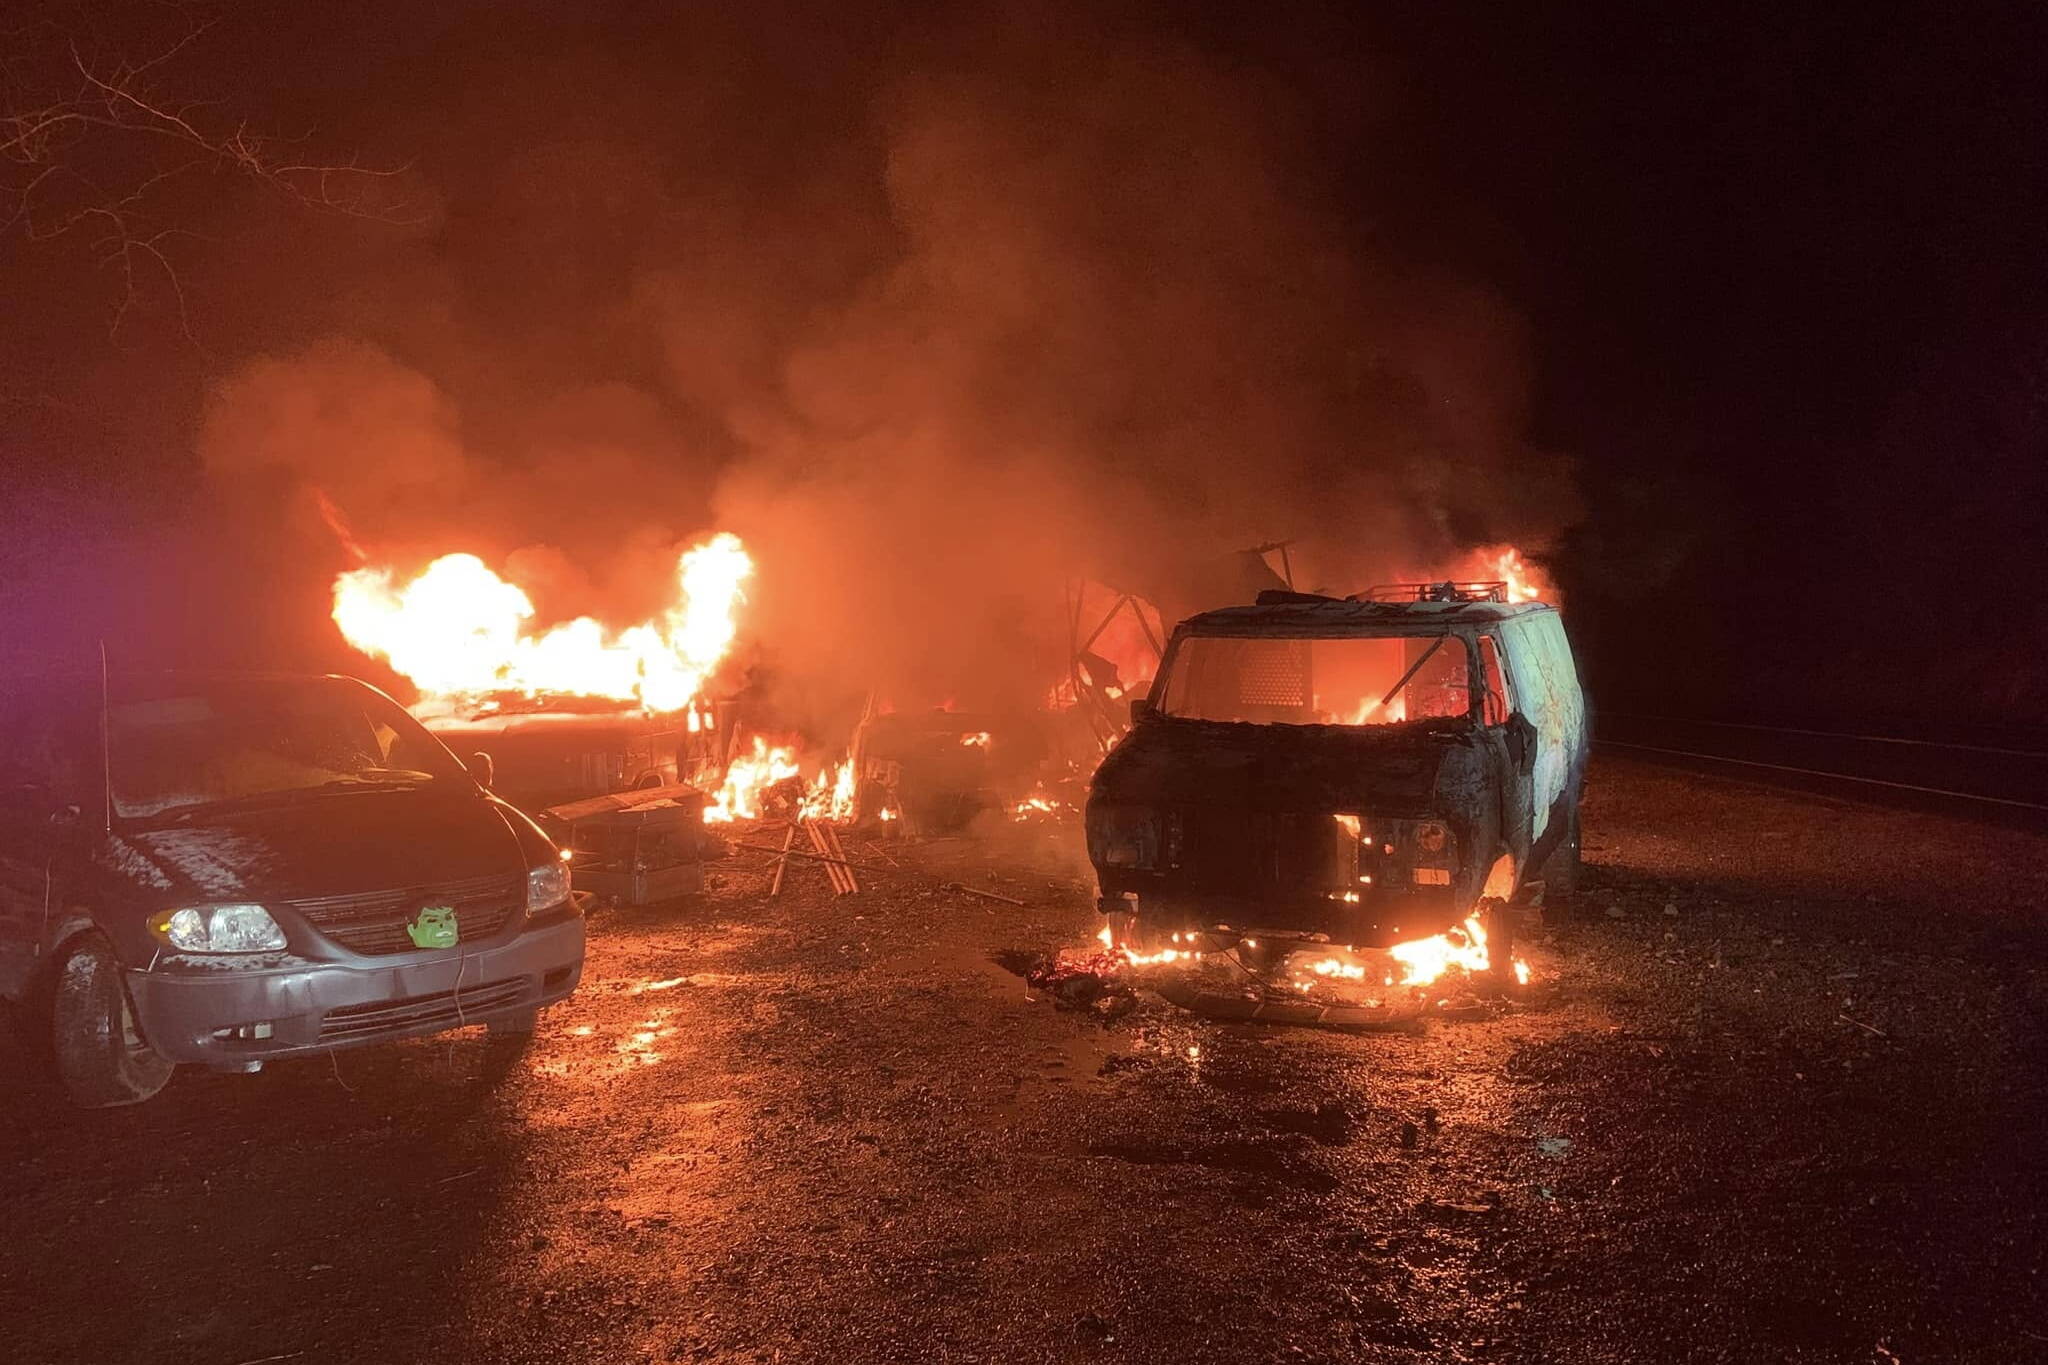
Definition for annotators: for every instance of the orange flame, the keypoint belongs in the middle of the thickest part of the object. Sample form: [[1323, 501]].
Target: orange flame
[[457, 630], [744, 792], [1424, 960], [1416, 963], [747, 780], [1526, 583]]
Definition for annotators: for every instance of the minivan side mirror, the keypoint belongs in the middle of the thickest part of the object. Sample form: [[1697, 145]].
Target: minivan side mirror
[[1141, 707], [482, 768]]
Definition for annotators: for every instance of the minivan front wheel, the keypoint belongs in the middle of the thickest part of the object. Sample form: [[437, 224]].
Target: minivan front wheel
[[99, 1052]]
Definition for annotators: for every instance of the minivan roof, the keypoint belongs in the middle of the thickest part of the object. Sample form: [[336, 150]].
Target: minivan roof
[[1339, 616]]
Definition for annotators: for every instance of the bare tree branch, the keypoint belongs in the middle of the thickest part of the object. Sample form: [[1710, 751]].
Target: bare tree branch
[[95, 132]]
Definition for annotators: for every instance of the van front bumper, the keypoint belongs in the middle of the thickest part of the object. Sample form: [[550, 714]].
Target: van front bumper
[[224, 1012]]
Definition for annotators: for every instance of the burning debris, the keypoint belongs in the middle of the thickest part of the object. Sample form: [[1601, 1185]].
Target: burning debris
[[1226, 974], [767, 782]]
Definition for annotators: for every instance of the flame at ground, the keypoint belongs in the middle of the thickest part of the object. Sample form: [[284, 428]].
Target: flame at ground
[[752, 776], [1416, 963], [458, 630], [1425, 960], [743, 794]]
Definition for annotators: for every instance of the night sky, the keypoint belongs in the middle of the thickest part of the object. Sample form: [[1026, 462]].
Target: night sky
[[1741, 314]]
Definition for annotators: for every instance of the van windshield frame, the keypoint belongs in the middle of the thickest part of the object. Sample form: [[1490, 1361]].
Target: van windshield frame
[[1352, 681]]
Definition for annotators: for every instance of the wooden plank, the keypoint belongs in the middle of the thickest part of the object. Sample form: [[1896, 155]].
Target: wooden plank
[[781, 863]]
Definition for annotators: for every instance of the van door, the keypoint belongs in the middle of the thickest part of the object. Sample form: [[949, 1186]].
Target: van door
[[1540, 660], [1499, 713]]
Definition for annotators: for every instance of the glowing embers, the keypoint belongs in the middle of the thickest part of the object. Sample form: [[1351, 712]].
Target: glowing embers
[[457, 630], [1040, 805], [1186, 949], [1459, 954]]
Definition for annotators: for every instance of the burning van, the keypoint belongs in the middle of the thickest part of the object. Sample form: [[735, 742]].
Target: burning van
[[544, 752], [1359, 771]]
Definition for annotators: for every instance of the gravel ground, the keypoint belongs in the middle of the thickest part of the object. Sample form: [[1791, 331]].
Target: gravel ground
[[1778, 1095]]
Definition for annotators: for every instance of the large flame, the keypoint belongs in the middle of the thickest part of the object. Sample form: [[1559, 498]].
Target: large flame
[[458, 630]]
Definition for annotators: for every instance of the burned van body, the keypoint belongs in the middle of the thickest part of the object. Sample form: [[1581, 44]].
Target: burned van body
[[561, 749], [1362, 768]]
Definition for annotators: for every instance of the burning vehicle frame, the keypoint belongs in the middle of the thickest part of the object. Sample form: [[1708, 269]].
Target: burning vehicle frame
[[1313, 780]]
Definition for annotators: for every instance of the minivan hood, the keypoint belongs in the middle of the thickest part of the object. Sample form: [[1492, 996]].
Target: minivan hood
[[1389, 770], [323, 846]]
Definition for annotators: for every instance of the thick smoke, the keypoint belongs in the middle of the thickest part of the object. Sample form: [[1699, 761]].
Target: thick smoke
[[936, 326]]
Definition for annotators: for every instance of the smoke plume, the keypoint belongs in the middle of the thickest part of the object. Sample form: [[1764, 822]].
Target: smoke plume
[[936, 323]]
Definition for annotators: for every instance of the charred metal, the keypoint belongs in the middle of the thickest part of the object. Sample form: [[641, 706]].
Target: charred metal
[[1241, 796]]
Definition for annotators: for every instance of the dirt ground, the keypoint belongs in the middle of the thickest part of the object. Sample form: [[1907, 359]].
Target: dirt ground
[[1778, 1095]]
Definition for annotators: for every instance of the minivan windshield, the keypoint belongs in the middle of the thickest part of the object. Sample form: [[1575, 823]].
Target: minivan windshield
[[1307, 680], [193, 744]]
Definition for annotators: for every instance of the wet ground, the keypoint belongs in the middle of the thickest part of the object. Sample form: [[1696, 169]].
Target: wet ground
[[1781, 1094]]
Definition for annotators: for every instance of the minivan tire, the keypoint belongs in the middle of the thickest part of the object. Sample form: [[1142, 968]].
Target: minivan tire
[[96, 1046]]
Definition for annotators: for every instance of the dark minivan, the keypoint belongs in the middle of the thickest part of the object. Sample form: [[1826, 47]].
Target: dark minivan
[[227, 869]]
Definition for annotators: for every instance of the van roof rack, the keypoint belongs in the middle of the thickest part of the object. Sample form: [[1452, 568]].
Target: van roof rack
[[1495, 590]]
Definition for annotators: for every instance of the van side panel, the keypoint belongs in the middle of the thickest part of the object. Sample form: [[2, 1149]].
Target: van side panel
[[1540, 659]]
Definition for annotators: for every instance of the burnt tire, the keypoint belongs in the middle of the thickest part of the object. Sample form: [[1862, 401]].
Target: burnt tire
[[1497, 920], [1562, 869], [97, 1050]]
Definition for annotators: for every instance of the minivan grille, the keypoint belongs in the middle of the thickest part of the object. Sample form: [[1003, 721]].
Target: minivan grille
[[354, 1023], [374, 921]]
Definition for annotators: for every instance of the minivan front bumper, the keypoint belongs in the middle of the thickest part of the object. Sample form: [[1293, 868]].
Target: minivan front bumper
[[222, 1014]]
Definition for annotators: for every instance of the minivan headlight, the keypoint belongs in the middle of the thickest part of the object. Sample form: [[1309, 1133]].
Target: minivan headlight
[[219, 929], [1123, 836], [547, 886]]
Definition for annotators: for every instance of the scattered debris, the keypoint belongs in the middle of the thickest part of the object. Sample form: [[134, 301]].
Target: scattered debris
[[985, 895], [1091, 981], [1465, 1207]]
